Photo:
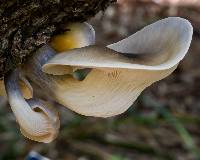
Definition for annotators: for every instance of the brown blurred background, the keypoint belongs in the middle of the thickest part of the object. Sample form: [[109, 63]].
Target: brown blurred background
[[163, 124]]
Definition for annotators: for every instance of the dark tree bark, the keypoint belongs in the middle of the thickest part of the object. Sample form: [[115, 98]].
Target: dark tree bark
[[26, 25]]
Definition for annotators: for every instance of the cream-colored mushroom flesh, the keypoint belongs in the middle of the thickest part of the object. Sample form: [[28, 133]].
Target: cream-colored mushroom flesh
[[120, 71], [37, 119]]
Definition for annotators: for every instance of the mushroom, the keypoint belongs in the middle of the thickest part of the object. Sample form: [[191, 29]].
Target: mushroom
[[113, 75], [38, 120], [120, 71]]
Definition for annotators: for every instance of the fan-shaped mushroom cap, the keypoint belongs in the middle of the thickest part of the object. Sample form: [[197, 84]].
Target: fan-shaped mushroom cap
[[120, 71]]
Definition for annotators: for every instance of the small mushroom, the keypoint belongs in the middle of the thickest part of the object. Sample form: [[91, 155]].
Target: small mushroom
[[37, 119]]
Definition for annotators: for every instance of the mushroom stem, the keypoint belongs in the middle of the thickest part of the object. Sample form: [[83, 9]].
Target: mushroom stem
[[37, 119]]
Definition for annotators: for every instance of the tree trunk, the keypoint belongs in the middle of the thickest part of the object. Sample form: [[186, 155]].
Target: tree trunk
[[26, 25]]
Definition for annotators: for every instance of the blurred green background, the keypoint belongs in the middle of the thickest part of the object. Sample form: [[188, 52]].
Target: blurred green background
[[163, 124]]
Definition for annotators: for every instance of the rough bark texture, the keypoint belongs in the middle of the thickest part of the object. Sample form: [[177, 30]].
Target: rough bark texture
[[25, 25]]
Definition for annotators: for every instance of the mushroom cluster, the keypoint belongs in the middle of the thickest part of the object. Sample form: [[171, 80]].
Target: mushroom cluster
[[99, 81]]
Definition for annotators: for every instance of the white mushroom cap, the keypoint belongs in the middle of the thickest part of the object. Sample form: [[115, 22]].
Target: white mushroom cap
[[121, 71]]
